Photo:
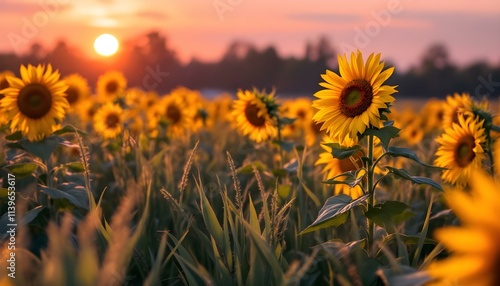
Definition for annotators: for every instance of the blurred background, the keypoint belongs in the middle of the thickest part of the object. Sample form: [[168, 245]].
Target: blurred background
[[437, 47]]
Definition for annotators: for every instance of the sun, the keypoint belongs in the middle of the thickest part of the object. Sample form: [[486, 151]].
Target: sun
[[106, 45]]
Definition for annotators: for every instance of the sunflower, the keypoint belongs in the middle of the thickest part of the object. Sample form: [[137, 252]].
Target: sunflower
[[111, 85], [334, 166], [461, 150], [413, 131], [177, 116], [78, 89], [433, 114], [252, 115], [456, 105], [108, 120], [475, 257], [354, 100], [3, 81], [36, 102]]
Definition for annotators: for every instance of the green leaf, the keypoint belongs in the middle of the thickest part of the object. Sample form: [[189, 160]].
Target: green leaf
[[22, 169], [77, 197], [14, 136], [402, 173], [284, 191], [286, 120], [389, 214], [69, 129], [211, 221], [285, 145], [334, 212], [407, 153], [341, 152], [352, 178], [407, 239], [42, 149], [30, 215], [406, 276], [76, 167], [248, 168], [385, 134]]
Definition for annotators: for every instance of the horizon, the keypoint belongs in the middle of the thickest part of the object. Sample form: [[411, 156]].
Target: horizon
[[399, 29]]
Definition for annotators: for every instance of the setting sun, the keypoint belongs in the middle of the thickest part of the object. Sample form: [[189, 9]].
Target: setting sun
[[106, 45]]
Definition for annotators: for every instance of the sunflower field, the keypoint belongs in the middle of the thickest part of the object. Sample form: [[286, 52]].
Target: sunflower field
[[123, 186]]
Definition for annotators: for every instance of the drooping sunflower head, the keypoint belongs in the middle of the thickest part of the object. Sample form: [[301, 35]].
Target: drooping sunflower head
[[111, 85], [461, 150], [355, 100], [253, 113], [333, 167], [474, 247], [36, 102], [78, 89], [109, 120]]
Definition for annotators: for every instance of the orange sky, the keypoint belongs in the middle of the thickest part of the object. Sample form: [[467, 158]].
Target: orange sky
[[399, 29]]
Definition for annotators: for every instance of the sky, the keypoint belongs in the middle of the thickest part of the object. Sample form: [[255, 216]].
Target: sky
[[399, 29]]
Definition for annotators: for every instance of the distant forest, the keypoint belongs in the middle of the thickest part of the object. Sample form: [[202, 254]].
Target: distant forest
[[245, 66]]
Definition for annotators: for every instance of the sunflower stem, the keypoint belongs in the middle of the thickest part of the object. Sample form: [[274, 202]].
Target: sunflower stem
[[371, 191]]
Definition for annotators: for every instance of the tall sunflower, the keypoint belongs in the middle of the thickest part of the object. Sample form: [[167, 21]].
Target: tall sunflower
[[111, 85], [36, 102], [353, 101], [334, 166], [252, 115], [461, 150], [78, 89], [475, 257], [108, 120]]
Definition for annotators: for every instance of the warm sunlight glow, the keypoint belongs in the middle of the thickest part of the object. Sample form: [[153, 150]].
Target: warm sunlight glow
[[106, 45]]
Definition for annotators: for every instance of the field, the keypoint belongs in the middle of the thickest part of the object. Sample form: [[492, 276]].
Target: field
[[124, 186]]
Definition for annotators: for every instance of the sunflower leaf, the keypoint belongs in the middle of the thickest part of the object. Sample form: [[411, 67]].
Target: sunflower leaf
[[286, 120], [42, 149], [405, 276], [22, 169], [401, 173], [389, 214], [385, 134], [407, 153], [76, 196], [14, 136], [69, 129], [285, 145], [334, 212], [352, 178], [341, 152]]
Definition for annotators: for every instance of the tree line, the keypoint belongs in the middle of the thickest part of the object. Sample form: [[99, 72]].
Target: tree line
[[245, 66]]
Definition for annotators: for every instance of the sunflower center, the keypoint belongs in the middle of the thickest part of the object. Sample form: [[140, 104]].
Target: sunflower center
[[464, 153], [301, 114], [34, 101], [112, 120], [252, 115], [111, 86], [72, 94], [173, 113], [356, 97]]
